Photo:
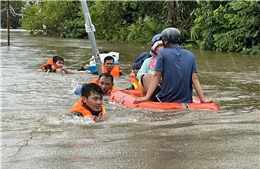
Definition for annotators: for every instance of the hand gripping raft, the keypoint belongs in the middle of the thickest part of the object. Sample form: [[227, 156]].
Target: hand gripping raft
[[127, 97]]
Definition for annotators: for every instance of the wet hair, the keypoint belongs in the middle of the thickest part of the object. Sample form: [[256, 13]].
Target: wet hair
[[56, 58], [108, 58], [107, 75], [87, 88]]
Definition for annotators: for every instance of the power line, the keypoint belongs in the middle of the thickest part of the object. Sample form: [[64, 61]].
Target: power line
[[12, 11]]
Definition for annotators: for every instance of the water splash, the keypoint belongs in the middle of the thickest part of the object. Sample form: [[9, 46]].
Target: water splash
[[74, 85]]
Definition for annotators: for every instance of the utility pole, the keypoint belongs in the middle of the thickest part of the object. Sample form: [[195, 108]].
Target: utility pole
[[90, 29], [8, 22]]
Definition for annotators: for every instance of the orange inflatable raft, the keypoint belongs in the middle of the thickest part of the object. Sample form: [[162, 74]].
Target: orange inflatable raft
[[126, 98]]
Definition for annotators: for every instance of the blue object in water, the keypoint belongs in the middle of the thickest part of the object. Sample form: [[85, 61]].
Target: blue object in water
[[92, 68], [78, 91]]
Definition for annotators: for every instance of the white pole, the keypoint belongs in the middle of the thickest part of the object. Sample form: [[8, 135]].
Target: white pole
[[90, 29]]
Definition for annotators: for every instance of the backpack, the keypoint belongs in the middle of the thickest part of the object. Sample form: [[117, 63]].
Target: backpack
[[139, 61]]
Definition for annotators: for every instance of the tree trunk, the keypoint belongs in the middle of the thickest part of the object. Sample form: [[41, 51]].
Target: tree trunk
[[170, 11]]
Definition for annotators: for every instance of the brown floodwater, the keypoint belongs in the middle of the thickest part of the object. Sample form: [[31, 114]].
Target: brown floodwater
[[36, 134]]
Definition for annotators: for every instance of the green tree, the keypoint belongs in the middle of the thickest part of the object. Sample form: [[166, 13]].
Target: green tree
[[240, 26], [179, 15], [49, 16], [129, 21], [205, 26], [212, 25], [32, 18], [227, 26]]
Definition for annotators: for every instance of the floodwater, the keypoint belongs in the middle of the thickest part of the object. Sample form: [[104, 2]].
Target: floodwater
[[36, 134]]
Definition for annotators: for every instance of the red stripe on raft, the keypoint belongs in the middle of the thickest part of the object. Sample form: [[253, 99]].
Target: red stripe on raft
[[127, 97]]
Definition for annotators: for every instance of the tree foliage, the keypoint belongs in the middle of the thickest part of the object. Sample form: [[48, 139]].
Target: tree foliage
[[209, 25], [228, 26], [129, 21], [49, 16]]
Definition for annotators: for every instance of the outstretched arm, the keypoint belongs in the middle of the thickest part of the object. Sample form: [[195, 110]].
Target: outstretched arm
[[69, 72]]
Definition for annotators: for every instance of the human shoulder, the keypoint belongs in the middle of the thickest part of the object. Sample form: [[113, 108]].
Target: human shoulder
[[163, 52], [144, 68], [145, 64], [188, 52], [147, 59]]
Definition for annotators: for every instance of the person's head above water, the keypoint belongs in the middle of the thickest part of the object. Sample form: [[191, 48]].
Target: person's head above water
[[92, 96], [109, 63], [106, 82], [58, 61]]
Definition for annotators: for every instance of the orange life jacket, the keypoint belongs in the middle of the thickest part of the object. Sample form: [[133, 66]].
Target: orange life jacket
[[79, 107], [109, 91], [134, 81], [114, 72], [49, 63]]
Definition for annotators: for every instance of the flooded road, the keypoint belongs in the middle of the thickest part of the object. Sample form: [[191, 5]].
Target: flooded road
[[36, 134]]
